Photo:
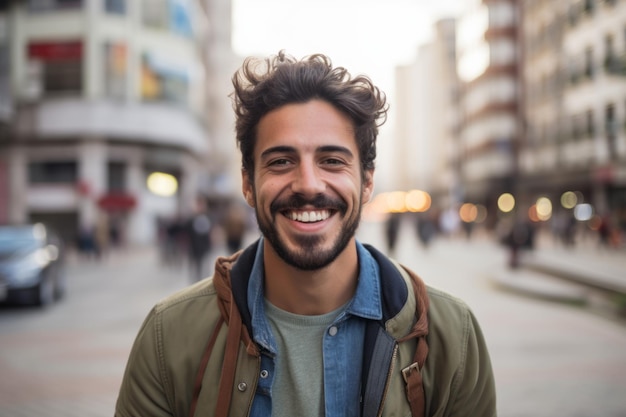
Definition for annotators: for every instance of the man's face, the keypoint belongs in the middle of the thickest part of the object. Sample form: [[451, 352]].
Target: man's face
[[308, 189]]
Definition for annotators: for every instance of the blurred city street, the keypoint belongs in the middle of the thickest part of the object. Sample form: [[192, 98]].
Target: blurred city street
[[550, 358]]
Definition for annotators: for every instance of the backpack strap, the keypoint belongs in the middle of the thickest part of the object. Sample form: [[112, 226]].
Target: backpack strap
[[229, 366], [237, 333], [412, 374], [202, 368]]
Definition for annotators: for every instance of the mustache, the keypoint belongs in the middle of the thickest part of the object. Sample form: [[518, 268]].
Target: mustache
[[298, 201]]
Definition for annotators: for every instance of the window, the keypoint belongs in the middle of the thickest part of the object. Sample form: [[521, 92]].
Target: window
[[62, 77], [610, 60], [57, 172], [589, 6], [162, 80], [116, 176], [115, 7], [60, 66], [115, 71], [50, 5], [610, 123], [171, 15], [589, 62], [573, 13], [591, 128]]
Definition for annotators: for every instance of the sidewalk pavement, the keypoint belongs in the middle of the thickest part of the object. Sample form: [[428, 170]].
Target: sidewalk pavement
[[584, 274]]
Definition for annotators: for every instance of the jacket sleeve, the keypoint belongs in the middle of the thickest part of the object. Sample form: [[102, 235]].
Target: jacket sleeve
[[473, 390], [144, 389]]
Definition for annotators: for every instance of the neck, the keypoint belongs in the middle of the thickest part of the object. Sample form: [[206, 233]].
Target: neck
[[310, 292]]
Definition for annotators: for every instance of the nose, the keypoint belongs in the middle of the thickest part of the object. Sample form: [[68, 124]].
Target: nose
[[308, 179]]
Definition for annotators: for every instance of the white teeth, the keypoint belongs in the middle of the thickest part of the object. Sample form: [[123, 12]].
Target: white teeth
[[309, 216]]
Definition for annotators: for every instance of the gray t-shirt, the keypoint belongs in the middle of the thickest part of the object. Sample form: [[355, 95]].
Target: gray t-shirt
[[298, 384]]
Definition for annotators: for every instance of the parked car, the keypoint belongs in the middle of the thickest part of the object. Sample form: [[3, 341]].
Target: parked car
[[31, 265]]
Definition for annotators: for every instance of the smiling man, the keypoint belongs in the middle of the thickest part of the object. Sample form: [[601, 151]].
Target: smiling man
[[308, 321]]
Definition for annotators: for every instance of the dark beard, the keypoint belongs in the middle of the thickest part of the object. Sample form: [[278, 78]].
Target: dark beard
[[308, 256]]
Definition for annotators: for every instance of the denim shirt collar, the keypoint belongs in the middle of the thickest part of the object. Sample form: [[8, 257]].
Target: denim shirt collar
[[366, 302]]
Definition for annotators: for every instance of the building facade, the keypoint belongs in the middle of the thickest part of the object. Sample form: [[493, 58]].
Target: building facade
[[575, 83], [489, 131], [103, 93]]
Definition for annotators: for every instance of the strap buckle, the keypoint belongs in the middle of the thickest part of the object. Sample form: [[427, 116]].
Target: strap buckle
[[406, 372]]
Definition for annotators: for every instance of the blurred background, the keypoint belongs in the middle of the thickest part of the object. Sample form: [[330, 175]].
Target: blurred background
[[501, 176]]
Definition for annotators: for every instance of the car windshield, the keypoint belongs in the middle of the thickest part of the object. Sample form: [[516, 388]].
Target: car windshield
[[16, 240]]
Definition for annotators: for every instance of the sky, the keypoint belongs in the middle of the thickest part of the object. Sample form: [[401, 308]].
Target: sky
[[371, 37]]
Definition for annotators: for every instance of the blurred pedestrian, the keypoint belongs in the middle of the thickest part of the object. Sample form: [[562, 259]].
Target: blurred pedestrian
[[392, 226], [307, 321], [199, 239], [234, 227], [426, 229], [520, 237], [175, 241], [87, 244], [605, 232], [101, 235]]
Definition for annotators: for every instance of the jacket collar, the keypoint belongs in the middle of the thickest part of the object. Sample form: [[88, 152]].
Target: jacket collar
[[394, 288]]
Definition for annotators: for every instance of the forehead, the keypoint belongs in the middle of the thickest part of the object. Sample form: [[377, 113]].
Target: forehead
[[305, 126]]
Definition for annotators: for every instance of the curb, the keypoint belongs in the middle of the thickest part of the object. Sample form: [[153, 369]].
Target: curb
[[539, 285]]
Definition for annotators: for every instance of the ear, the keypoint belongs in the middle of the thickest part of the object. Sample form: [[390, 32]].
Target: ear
[[368, 186], [246, 188]]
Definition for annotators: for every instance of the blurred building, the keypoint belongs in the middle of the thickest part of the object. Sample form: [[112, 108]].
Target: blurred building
[[224, 163], [426, 97], [544, 82], [102, 94], [488, 60], [575, 111]]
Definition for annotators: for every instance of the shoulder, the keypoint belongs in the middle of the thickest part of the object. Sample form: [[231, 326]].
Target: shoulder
[[201, 290], [450, 318], [194, 308], [445, 306], [167, 352]]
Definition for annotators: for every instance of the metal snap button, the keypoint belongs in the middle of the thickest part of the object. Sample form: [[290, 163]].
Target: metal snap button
[[242, 386]]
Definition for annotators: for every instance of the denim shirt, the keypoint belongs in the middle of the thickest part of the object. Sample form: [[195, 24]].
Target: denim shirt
[[342, 345]]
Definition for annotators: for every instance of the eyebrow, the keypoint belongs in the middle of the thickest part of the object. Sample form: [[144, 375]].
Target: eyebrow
[[291, 149]]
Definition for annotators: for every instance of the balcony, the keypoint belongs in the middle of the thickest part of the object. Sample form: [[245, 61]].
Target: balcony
[[149, 123]]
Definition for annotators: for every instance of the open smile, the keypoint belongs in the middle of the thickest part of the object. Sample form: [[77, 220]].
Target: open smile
[[307, 216]]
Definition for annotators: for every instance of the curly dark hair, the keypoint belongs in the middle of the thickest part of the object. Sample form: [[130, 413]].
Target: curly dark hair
[[263, 85]]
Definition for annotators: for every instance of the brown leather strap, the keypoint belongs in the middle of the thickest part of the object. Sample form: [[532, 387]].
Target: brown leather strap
[[413, 379], [205, 360], [230, 362], [412, 374]]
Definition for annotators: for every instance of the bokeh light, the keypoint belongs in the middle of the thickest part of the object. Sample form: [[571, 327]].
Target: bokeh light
[[468, 212], [162, 184], [396, 201], [569, 200], [583, 212], [418, 201], [506, 202], [544, 208], [532, 214], [481, 213]]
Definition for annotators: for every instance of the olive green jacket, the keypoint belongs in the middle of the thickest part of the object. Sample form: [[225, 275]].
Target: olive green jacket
[[165, 359]]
